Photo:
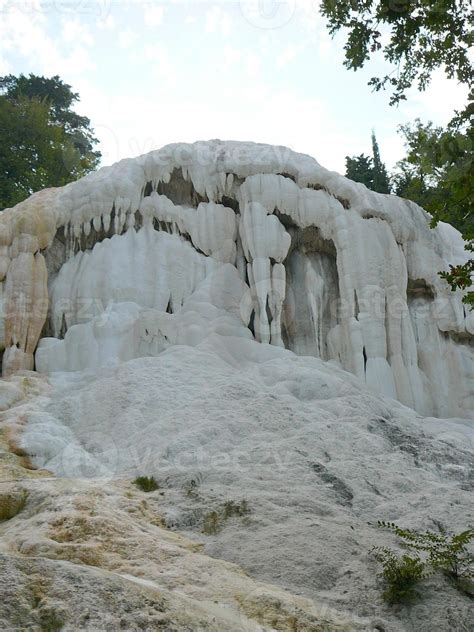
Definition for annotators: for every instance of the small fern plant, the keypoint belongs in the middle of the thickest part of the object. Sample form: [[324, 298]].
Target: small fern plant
[[401, 574]]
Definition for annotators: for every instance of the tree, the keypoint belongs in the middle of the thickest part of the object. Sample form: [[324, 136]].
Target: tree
[[381, 181], [43, 142], [417, 37], [414, 36], [369, 170], [438, 174], [360, 169]]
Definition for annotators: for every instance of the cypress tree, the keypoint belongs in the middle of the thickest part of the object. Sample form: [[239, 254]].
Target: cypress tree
[[380, 179]]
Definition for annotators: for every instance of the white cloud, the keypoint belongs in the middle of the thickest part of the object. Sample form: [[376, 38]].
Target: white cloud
[[126, 38], [218, 21], [237, 60], [252, 64], [160, 62], [26, 34], [153, 15], [231, 55], [439, 101], [74, 32], [107, 23], [287, 55], [262, 114], [4, 66]]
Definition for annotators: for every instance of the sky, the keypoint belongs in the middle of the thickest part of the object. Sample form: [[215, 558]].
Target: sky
[[155, 72]]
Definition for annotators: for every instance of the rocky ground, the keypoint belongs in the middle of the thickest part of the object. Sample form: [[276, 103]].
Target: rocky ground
[[81, 554], [270, 485]]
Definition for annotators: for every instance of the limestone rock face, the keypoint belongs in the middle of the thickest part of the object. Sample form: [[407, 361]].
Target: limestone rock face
[[270, 341], [319, 265]]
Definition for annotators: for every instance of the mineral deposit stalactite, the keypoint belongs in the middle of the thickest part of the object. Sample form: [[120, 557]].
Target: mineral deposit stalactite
[[268, 239]]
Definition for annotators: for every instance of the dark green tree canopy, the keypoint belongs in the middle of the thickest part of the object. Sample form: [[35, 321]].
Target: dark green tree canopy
[[43, 142], [417, 37], [381, 182], [422, 35], [438, 172], [371, 171], [360, 169]]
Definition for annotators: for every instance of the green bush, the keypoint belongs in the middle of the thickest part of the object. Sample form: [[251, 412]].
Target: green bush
[[401, 573], [449, 553], [146, 483]]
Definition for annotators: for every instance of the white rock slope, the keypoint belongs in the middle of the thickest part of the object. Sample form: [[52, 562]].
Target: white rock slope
[[261, 335]]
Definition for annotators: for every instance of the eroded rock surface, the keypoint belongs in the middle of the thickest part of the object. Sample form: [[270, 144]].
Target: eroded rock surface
[[326, 268]]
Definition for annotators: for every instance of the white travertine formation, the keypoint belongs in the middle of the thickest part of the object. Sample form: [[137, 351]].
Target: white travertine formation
[[315, 262]]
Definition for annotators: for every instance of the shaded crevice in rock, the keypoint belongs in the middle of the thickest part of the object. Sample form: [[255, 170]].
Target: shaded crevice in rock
[[343, 493], [310, 309], [180, 190]]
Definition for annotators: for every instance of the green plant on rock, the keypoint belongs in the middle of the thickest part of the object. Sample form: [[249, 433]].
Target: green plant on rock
[[231, 508], [146, 483], [401, 574], [449, 553], [214, 521]]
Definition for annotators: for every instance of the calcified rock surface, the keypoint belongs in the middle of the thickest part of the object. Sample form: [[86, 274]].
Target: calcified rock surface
[[330, 269], [95, 555], [264, 337]]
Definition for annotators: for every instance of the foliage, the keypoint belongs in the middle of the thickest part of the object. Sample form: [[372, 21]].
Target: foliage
[[43, 142], [414, 36], [381, 182], [438, 174], [401, 573], [214, 520], [146, 483], [369, 170], [460, 276], [360, 169], [418, 37], [448, 553], [232, 508]]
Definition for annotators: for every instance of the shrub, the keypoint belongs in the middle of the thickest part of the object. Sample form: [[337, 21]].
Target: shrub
[[401, 573], [448, 553], [146, 483], [212, 523], [230, 508], [214, 520]]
